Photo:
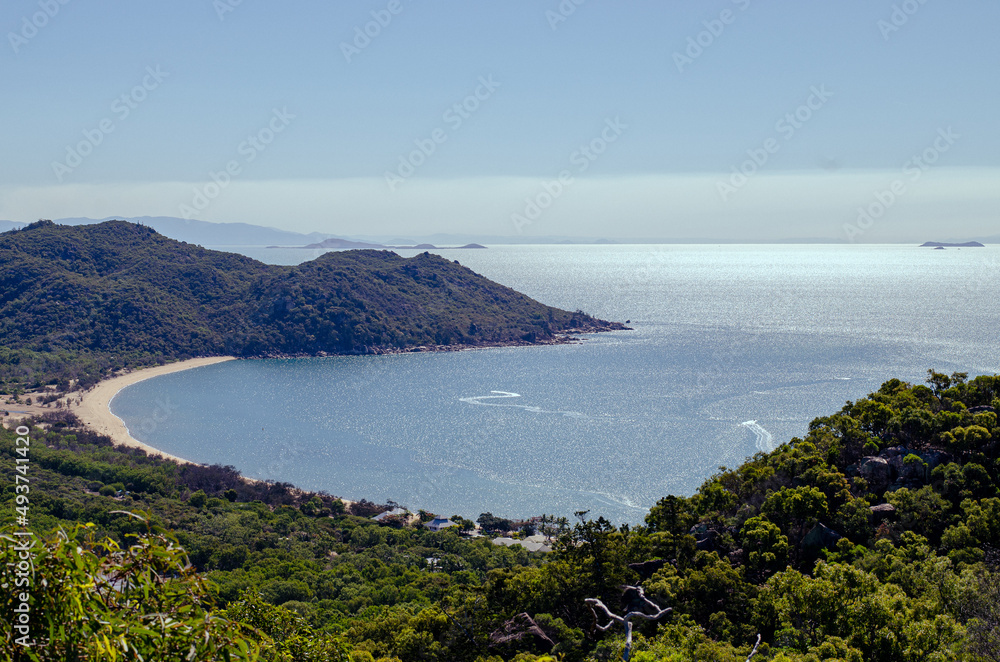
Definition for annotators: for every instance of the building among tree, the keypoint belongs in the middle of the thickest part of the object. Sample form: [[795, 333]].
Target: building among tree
[[439, 524]]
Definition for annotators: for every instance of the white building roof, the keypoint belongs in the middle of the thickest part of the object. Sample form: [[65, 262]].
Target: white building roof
[[390, 513], [528, 544], [439, 523]]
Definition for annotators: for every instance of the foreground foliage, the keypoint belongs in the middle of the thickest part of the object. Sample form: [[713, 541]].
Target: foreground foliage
[[96, 600], [871, 539]]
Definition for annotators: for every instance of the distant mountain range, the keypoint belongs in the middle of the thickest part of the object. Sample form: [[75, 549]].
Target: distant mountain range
[[204, 233], [201, 233], [79, 301]]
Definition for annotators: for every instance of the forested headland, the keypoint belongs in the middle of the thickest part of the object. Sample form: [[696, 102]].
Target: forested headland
[[872, 538], [78, 303]]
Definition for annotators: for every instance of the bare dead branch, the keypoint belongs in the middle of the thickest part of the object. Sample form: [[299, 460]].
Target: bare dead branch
[[612, 618], [627, 619]]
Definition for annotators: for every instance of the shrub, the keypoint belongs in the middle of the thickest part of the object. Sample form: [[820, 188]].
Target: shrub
[[92, 600], [198, 499]]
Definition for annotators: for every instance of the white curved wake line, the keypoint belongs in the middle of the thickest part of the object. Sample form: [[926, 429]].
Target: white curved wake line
[[765, 440], [478, 400], [618, 500], [503, 394]]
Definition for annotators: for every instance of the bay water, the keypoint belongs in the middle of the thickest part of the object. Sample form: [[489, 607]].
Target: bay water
[[734, 350]]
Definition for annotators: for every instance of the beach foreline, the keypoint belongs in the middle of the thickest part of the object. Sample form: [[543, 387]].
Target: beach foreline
[[94, 411]]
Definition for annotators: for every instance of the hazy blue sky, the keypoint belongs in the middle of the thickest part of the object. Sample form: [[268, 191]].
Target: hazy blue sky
[[127, 108]]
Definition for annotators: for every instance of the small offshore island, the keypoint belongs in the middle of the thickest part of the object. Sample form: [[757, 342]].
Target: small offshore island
[[940, 244], [872, 538]]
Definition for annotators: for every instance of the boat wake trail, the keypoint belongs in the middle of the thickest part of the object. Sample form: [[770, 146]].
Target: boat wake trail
[[765, 440], [499, 395]]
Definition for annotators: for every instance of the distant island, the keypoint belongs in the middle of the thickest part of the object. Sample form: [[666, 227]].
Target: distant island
[[941, 244], [81, 302], [337, 243]]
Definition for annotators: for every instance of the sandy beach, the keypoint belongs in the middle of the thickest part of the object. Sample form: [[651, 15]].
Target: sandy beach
[[94, 411], [94, 407]]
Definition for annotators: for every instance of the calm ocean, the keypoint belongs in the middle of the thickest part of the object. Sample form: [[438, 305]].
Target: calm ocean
[[735, 350]]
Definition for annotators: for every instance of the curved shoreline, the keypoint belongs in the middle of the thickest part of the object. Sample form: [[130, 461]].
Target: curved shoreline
[[95, 409]]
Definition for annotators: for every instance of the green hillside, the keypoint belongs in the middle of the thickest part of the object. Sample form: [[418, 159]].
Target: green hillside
[[77, 302], [872, 539]]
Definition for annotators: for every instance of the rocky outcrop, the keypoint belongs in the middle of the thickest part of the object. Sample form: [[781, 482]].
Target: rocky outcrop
[[877, 471], [890, 470], [884, 512], [704, 537], [647, 569]]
